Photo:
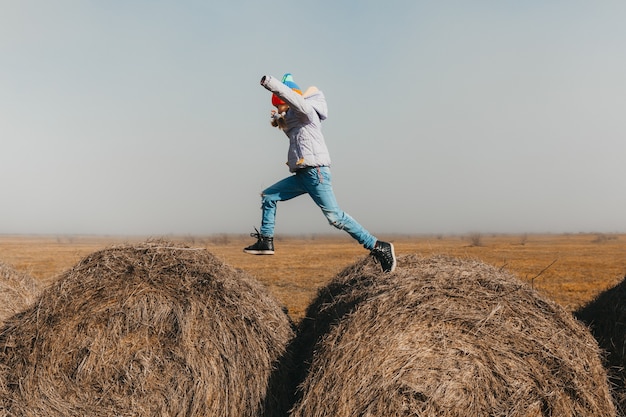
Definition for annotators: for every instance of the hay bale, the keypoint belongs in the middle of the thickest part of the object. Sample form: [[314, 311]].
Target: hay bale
[[606, 317], [17, 291], [445, 337], [154, 329]]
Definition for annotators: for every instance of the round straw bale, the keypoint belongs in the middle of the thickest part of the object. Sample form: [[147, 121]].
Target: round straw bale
[[445, 337], [606, 317], [17, 291], [155, 329]]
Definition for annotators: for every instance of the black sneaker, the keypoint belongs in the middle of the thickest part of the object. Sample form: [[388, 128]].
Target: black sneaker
[[383, 252], [264, 245]]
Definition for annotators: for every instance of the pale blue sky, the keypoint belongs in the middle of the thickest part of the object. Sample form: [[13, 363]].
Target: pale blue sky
[[146, 117]]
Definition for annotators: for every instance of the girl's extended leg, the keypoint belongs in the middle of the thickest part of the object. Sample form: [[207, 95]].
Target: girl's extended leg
[[318, 184]]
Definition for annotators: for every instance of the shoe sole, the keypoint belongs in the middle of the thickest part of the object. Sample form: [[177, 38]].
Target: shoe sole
[[259, 252], [393, 255]]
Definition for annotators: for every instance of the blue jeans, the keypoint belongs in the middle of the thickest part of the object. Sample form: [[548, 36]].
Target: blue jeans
[[316, 182]]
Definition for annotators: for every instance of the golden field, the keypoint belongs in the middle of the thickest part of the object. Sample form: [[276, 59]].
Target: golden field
[[571, 269]]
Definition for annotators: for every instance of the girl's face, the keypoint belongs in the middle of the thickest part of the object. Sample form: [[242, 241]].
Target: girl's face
[[282, 108]]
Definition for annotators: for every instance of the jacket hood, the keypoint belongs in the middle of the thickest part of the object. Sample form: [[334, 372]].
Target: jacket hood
[[316, 99]]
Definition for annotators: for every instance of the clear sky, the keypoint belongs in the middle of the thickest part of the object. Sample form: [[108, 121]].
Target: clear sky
[[147, 117]]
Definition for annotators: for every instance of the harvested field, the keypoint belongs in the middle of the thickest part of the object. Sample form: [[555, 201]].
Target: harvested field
[[570, 269], [17, 291], [444, 337], [151, 329]]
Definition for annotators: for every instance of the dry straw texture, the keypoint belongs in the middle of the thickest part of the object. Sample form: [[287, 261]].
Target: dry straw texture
[[148, 330], [606, 315], [17, 291], [445, 337]]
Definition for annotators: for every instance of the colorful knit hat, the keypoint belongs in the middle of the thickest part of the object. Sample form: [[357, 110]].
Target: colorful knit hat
[[289, 82]]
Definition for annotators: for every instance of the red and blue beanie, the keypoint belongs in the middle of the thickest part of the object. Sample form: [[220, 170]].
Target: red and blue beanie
[[289, 82]]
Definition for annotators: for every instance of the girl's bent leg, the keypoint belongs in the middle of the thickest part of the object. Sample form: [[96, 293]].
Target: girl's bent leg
[[283, 190]]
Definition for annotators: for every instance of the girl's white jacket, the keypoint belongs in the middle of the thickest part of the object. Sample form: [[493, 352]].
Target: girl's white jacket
[[307, 147]]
